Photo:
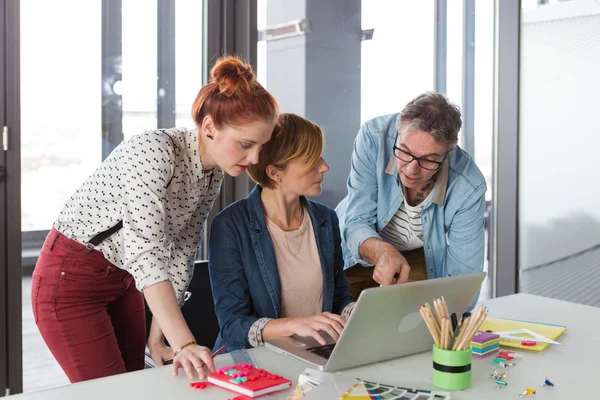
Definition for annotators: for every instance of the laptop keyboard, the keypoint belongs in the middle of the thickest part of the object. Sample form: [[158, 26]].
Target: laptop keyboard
[[323, 351]]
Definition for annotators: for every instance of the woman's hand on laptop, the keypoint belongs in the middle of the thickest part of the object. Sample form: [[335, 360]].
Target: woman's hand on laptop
[[330, 323]]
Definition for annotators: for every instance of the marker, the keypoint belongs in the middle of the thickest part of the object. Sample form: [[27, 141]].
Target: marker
[[454, 321]]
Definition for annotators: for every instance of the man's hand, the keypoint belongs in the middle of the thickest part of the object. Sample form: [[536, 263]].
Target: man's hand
[[390, 267]]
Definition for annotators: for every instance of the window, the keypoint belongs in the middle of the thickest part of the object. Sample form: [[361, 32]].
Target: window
[[139, 84], [60, 104], [397, 63], [65, 96], [559, 218]]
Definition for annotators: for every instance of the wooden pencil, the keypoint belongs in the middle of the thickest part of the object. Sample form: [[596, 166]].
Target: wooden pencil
[[444, 344], [430, 313], [461, 333], [448, 332], [475, 322], [443, 339], [429, 325], [467, 329], [443, 301], [475, 328], [438, 311], [449, 335]]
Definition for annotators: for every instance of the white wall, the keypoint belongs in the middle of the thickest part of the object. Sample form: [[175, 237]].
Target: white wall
[[559, 144]]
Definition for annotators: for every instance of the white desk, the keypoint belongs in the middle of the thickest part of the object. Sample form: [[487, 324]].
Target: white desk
[[573, 368]]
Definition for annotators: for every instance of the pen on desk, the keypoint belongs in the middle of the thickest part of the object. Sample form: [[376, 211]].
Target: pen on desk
[[218, 351]]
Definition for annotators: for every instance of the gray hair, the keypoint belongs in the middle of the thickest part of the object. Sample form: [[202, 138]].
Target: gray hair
[[433, 113]]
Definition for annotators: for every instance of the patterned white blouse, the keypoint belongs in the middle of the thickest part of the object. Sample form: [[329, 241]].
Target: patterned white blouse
[[154, 183]]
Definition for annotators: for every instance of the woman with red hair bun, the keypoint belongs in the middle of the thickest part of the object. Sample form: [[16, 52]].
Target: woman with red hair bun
[[131, 230]]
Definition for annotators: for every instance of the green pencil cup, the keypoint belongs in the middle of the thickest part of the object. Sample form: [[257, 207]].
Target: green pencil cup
[[452, 369]]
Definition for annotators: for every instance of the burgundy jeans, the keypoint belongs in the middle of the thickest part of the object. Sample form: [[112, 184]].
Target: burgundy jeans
[[88, 311]]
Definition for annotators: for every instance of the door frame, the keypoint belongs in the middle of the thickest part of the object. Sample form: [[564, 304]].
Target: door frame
[[10, 203]]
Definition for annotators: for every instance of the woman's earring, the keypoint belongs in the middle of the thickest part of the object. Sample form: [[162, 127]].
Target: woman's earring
[[211, 137]]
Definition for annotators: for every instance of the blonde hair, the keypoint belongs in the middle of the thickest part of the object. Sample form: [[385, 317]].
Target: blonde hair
[[294, 138]]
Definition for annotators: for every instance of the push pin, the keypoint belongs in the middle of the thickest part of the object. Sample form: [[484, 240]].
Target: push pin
[[497, 375], [547, 383], [502, 362], [508, 355], [527, 391], [500, 384]]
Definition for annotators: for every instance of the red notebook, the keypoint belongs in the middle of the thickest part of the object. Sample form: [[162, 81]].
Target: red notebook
[[247, 380]]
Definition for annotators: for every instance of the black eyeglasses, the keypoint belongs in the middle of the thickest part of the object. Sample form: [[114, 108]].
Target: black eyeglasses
[[424, 163]]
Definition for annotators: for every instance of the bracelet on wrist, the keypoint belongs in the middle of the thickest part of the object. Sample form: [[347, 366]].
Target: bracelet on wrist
[[188, 344]]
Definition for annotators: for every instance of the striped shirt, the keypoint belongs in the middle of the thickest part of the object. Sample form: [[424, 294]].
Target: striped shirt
[[405, 231]]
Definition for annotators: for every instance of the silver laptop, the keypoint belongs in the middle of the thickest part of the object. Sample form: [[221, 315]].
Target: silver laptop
[[385, 324]]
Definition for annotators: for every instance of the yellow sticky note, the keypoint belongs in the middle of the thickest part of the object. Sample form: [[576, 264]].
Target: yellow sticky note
[[547, 330]]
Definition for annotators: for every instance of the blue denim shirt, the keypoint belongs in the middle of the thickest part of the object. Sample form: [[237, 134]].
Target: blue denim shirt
[[243, 268], [453, 216]]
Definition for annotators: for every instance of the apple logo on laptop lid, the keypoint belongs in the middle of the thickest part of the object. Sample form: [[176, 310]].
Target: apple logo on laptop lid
[[410, 322]]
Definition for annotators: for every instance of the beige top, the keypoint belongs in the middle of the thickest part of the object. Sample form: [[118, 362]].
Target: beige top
[[299, 267]]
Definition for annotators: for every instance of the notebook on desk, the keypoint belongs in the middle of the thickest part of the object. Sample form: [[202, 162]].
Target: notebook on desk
[[385, 324], [549, 331]]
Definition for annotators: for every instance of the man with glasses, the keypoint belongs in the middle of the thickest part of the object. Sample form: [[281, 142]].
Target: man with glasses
[[416, 201]]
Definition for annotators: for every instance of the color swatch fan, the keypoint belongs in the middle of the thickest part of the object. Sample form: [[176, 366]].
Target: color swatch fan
[[247, 380], [364, 390]]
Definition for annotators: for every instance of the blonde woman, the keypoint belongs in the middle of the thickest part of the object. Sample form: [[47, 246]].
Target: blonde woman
[[275, 257]]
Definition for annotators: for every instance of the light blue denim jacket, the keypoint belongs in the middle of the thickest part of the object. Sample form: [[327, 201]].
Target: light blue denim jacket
[[453, 216]]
